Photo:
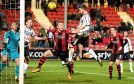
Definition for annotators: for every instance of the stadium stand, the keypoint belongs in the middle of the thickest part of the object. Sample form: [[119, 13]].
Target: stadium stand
[[9, 10], [131, 12], [111, 15]]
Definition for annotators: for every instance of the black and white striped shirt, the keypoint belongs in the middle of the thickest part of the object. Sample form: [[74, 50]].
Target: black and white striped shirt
[[28, 33], [85, 20], [128, 45]]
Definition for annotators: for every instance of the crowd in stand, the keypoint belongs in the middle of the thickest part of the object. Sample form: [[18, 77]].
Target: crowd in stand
[[104, 32], [7, 5], [3, 23], [100, 31], [0, 24], [11, 4]]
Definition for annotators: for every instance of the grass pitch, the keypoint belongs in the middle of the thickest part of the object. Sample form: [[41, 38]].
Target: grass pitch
[[85, 72], [8, 74]]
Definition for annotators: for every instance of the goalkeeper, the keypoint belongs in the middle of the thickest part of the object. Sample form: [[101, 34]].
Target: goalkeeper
[[11, 42]]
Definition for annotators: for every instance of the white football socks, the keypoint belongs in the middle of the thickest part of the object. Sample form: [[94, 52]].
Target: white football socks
[[25, 67], [121, 64], [92, 54], [131, 65], [71, 52], [62, 62]]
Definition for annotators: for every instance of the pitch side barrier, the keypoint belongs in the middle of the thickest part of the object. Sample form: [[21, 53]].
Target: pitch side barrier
[[36, 53]]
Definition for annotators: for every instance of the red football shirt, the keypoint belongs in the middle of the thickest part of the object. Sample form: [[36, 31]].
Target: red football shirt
[[117, 42], [60, 38]]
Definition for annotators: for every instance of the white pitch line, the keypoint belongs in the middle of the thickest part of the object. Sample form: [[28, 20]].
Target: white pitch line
[[101, 74], [61, 65], [130, 78], [85, 73], [91, 73]]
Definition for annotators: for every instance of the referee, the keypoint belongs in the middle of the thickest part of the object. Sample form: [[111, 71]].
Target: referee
[[83, 34]]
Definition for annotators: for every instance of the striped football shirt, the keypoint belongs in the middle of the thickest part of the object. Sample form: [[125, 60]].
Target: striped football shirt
[[28, 33], [85, 20]]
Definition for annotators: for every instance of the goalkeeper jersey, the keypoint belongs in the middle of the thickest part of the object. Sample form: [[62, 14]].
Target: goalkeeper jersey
[[14, 38]]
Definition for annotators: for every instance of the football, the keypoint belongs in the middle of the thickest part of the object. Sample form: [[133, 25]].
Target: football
[[52, 5]]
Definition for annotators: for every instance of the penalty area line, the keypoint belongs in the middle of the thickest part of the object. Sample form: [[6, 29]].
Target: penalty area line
[[100, 74]]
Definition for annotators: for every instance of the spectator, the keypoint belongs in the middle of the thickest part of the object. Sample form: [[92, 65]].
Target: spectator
[[131, 3], [103, 18], [70, 2], [55, 22], [98, 13], [7, 4], [73, 16], [4, 25], [34, 43], [78, 16], [13, 4], [105, 28], [48, 1], [95, 3], [130, 26], [90, 3], [37, 4], [122, 27], [119, 28], [50, 39], [0, 24], [97, 27], [124, 4], [117, 5], [27, 3], [40, 42], [69, 16], [44, 6], [97, 38], [102, 3], [109, 3], [98, 17], [92, 13], [60, 2], [74, 4], [80, 2], [127, 27], [104, 32], [43, 2], [3, 1], [107, 33], [28, 15], [43, 31]]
